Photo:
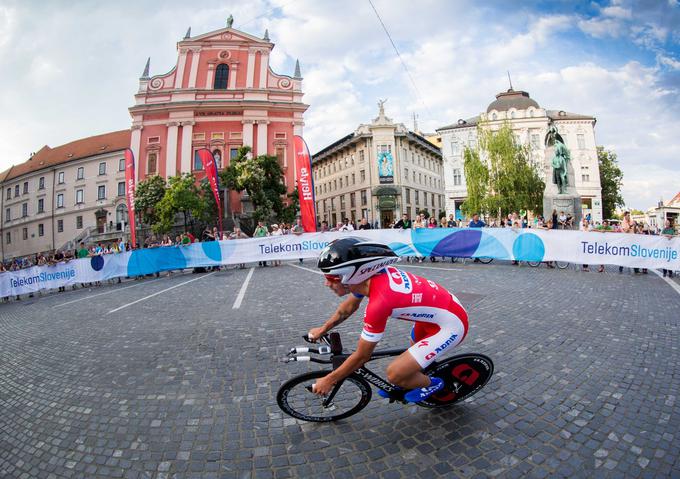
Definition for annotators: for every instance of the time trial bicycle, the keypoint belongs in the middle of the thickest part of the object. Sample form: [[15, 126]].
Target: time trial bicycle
[[463, 376]]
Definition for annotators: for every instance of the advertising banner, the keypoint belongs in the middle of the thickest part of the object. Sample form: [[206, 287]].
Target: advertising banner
[[211, 173], [305, 184], [130, 194], [639, 251], [385, 165]]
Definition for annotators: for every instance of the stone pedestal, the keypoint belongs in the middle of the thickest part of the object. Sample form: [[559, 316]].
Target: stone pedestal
[[569, 203]]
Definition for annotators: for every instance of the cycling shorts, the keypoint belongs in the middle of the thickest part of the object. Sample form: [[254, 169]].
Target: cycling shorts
[[432, 339]]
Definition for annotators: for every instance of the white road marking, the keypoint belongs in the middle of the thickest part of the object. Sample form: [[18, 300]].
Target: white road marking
[[671, 283], [406, 265], [306, 269], [163, 291], [108, 292], [242, 293]]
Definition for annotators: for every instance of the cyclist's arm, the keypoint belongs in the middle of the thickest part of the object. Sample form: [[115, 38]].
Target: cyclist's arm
[[344, 311], [351, 364]]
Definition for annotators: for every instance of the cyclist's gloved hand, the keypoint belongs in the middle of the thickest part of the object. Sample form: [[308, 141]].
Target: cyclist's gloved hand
[[315, 333]]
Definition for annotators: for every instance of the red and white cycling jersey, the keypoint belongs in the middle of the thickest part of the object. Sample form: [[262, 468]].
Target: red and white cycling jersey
[[440, 321]]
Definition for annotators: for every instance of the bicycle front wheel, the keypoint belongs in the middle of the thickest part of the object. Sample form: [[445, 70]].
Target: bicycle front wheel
[[296, 399], [534, 264], [485, 260], [562, 264]]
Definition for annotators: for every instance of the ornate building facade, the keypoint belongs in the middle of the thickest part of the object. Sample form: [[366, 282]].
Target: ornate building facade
[[221, 95], [379, 172], [530, 123], [64, 194]]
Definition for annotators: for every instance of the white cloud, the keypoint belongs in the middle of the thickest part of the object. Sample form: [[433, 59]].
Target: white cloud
[[602, 27], [458, 55], [617, 12]]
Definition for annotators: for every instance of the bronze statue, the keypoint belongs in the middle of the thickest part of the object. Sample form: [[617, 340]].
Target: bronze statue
[[560, 160]]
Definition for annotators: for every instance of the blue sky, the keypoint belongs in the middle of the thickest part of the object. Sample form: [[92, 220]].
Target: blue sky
[[70, 69]]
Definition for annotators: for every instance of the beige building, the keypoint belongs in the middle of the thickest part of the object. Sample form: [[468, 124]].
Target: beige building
[[64, 194], [378, 172], [529, 122]]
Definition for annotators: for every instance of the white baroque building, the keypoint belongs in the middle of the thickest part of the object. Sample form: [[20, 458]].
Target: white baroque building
[[530, 123]]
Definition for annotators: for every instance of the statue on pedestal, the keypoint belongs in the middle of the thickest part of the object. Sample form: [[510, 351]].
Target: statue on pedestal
[[560, 160]]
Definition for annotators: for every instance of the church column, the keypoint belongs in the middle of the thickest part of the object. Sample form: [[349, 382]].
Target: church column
[[180, 68], [250, 72], [264, 63], [194, 67], [262, 137], [209, 77], [187, 137], [233, 69], [171, 155], [248, 133], [135, 145]]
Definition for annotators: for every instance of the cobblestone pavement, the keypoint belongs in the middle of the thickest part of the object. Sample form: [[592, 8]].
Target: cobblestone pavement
[[181, 385]]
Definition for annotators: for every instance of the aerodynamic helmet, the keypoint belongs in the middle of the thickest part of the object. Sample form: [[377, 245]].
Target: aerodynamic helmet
[[353, 260]]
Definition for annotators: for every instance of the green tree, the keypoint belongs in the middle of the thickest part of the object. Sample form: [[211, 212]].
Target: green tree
[[148, 193], [290, 211], [611, 179], [506, 180], [260, 177], [182, 196], [209, 212]]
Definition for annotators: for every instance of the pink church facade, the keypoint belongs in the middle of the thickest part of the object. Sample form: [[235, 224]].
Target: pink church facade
[[221, 95]]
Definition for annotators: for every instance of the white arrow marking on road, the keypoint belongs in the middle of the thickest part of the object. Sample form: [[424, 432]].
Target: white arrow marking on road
[[108, 292], [163, 291], [242, 293]]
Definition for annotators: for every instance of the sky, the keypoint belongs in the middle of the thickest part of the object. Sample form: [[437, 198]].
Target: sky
[[70, 69]]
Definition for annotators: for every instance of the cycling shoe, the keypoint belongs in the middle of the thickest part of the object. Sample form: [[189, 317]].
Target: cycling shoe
[[420, 394]]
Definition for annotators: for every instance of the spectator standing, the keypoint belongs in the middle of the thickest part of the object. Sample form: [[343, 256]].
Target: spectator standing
[[475, 222], [276, 231], [207, 234], [628, 226], [347, 226], [238, 234], [260, 232], [298, 229], [554, 219], [324, 226], [585, 227], [404, 223], [363, 225], [668, 231], [451, 223]]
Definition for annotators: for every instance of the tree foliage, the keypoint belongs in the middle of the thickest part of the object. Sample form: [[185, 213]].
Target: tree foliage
[[611, 179], [500, 176], [182, 196], [148, 193], [260, 177]]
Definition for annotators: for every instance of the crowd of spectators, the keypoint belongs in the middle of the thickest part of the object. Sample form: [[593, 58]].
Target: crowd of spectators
[[513, 220]]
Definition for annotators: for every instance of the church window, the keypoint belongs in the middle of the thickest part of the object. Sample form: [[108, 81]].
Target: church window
[[198, 164], [152, 163], [221, 77], [581, 141], [281, 155]]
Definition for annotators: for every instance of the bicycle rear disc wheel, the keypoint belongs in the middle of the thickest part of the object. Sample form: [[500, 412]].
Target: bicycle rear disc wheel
[[295, 399], [562, 264], [463, 375], [485, 260]]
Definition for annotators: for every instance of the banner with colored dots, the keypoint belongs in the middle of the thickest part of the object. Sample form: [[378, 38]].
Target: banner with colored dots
[[639, 251]]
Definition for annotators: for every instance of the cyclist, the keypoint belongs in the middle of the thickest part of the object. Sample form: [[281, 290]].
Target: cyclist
[[364, 269]]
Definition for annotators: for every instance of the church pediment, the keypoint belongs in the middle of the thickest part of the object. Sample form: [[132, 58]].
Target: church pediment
[[226, 35]]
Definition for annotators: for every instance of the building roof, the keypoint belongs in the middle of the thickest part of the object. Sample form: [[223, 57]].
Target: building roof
[[461, 124], [505, 100], [565, 115], [675, 200], [91, 146]]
